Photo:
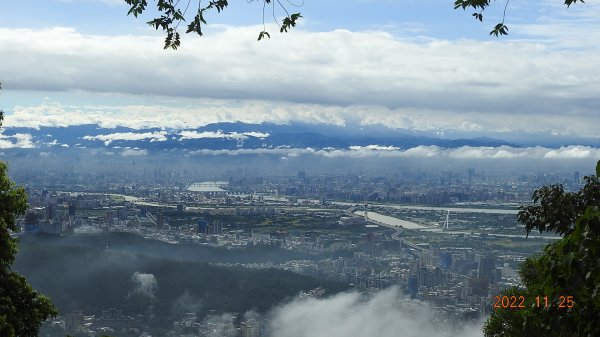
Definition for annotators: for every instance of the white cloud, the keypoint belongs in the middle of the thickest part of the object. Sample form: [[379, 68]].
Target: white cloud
[[423, 151], [367, 77], [374, 148], [261, 135], [572, 152], [5, 144], [291, 152], [198, 113], [159, 136], [144, 284], [190, 134], [386, 314], [19, 140], [133, 153], [465, 152]]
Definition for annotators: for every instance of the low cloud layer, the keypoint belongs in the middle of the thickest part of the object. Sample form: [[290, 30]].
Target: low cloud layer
[[220, 134], [200, 112], [465, 152], [134, 153], [19, 140], [386, 314], [144, 284], [109, 138]]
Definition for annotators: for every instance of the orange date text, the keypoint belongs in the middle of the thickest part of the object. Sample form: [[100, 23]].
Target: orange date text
[[521, 302]]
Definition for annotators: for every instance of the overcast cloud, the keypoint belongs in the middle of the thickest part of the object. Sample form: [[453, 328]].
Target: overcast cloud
[[333, 77]]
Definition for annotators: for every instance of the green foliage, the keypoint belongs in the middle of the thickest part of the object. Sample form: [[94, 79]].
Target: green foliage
[[477, 4], [568, 267], [499, 29], [555, 210], [481, 5], [289, 21], [22, 309], [173, 12], [262, 34]]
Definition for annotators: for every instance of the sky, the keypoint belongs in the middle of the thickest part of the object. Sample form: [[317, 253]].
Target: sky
[[416, 65]]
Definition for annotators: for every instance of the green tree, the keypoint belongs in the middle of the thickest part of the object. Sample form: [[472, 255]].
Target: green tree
[[568, 270], [22, 309]]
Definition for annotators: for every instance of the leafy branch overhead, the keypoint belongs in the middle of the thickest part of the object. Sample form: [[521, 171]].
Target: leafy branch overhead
[[171, 13], [481, 5]]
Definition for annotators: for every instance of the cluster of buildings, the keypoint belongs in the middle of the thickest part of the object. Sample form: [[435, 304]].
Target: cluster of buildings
[[114, 322], [111, 322], [458, 273], [458, 281]]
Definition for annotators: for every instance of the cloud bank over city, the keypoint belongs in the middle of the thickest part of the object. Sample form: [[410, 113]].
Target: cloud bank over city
[[386, 314], [464, 152]]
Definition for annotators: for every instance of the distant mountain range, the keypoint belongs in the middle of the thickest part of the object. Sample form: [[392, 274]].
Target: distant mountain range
[[231, 136]]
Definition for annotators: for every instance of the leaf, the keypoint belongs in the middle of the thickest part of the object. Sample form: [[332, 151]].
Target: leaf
[[263, 34], [570, 2], [499, 29], [289, 22]]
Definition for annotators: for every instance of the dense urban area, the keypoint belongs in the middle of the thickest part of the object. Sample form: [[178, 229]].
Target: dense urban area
[[451, 240]]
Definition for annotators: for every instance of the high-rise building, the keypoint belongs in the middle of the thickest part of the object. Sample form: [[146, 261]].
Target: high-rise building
[[471, 174], [202, 226], [486, 266], [250, 328], [72, 207], [446, 260], [49, 212], [109, 218], [160, 220], [73, 321], [413, 286]]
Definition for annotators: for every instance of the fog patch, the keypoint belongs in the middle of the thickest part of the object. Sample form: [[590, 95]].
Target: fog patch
[[134, 153], [385, 314], [144, 284], [186, 303]]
